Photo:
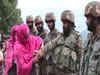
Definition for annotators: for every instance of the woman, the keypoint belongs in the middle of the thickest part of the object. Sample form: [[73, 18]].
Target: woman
[[25, 47], [10, 67]]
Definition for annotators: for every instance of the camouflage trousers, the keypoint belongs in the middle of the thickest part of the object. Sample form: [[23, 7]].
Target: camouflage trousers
[[59, 72], [52, 70]]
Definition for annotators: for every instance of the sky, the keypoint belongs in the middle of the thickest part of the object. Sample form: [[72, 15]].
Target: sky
[[41, 7]]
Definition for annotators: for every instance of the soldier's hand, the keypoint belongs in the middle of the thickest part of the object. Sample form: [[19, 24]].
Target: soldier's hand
[[41, 51]]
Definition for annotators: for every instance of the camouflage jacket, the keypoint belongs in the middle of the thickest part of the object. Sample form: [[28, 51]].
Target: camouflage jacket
[[50, 36], [91, 64], [66, 54], [42, 34]]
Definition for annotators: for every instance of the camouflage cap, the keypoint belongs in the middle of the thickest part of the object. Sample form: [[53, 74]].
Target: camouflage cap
[[29, 18], [68, 15], [50, 16], [93, 8], [38, 19]]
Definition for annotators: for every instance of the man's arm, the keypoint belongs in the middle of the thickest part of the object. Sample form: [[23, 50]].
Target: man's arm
[[51, 44]]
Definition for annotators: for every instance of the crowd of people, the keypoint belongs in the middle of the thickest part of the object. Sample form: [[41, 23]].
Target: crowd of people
[[32, 50]]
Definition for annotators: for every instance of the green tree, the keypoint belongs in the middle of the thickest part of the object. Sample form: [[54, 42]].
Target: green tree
[[9, 15]]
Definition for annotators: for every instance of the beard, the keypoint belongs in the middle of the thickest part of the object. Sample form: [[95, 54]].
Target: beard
[[94, 22], [67, 31], [91, 26]]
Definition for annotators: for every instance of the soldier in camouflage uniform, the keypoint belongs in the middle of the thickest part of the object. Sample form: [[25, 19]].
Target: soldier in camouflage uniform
[[50, 20], [39, 25], [41, 66], [91, 60], [33, 31], [66, 54], [30, 23]]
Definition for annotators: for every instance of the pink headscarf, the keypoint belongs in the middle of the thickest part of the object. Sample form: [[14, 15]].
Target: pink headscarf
[[10, 49], [24, 49]]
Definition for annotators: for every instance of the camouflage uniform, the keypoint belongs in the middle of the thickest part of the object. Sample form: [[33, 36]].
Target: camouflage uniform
[[49, 59], [91, 64], [65, 55], [42, 63], [50, 36], [91, 59], [43, 32]]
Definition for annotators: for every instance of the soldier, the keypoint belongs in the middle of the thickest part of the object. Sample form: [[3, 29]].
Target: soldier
[[41, 70], [66, 54], [91, 61], [50, 20], [30, 23], [39, 25]]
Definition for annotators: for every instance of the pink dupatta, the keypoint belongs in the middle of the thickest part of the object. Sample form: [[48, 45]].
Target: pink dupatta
[[24, 49], [10, 49]]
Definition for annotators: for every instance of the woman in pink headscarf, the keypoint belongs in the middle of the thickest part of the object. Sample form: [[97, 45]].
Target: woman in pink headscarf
[[10, 68], [24, 50]]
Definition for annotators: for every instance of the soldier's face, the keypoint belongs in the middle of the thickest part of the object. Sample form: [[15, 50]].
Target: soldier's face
[[65, 24], [39, 25], [66, 27], [30, 23], [90, 23], [50, 24]]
